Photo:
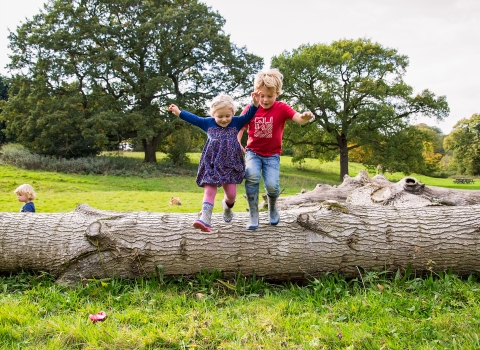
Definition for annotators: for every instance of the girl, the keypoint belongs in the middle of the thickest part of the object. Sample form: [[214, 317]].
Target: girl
[[221, 163], [26, 194]]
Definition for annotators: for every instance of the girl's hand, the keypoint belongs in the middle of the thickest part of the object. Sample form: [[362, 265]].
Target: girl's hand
[[256, 98], [174, 109]]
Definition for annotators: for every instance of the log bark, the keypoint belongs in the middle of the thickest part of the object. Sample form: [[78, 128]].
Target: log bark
[[309, 241], [363, 190]]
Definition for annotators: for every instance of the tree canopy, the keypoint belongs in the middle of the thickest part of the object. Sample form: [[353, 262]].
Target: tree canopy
[[464, 141], [356, 91], [91, 73]]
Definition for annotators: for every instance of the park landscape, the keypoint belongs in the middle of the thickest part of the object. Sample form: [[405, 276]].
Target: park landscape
[[88, 77]]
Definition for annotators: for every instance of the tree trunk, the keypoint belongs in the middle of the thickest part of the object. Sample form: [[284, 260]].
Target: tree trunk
[[150, 149], [307, 242], [343, 148]]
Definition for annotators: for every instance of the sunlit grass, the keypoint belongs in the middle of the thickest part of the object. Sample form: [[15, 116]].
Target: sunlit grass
[[58, 192], [436, 312]]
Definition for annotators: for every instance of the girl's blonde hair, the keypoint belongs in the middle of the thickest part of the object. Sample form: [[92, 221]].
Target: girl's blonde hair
[[271, 79], [27, 190], [221, 101]]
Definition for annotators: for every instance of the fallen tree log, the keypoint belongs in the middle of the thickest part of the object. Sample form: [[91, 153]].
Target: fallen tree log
[[363, 190], [332, 236]]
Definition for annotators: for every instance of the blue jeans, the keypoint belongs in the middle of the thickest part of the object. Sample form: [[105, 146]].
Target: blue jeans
[[267, 167]]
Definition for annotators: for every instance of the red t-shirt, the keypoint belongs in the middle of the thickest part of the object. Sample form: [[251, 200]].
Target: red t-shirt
[[265, 130]]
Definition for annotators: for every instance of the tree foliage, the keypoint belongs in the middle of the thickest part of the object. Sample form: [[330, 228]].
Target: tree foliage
[[356, 91], [93, 72], [410, 150], [414, 149], [3, 97], [437, 136], [464, 141]]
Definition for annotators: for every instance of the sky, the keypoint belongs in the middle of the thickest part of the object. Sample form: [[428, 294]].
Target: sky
[[440, 37]]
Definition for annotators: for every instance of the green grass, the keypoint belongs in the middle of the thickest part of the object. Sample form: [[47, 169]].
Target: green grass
[[437, 312], [57, 192]]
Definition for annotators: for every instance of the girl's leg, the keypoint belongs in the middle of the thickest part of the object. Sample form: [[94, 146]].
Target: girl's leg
[[230, 193], [204, 221], [228, 201], [209, 193]]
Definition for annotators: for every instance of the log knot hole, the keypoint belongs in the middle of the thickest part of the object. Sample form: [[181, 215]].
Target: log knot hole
[[412, 185]]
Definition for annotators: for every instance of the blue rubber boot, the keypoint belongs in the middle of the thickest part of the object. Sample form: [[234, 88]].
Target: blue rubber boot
[[252, 199], [273, 214]]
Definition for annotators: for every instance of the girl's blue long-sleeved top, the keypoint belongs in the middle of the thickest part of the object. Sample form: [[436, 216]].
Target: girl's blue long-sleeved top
[[222, 158]]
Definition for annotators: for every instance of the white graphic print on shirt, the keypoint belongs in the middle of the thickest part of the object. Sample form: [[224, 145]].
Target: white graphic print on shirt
[[263, 128]]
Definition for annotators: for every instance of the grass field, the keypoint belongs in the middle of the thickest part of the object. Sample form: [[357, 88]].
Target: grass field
[[375, 311], [57, 192], [436, 312]]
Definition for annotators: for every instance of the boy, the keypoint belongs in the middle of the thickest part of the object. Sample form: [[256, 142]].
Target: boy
[[264, 145], [26, 194]]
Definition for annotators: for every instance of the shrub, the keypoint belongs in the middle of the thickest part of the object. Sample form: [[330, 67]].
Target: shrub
[[106, 165]]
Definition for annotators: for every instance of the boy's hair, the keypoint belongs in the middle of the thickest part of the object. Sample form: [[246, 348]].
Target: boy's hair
[[27, 190], [221, 101], [271, 79]]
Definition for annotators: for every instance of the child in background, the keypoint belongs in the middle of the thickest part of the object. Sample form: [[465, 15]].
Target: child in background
[[26, 194], [222, 162], [264, 144]]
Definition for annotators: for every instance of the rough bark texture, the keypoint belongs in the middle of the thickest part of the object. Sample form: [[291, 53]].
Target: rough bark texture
[[363, 190], [375, 229]]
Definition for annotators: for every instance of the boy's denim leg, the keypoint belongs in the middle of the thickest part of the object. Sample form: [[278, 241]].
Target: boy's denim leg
[[253, 167], [271, 175], [271, 179]]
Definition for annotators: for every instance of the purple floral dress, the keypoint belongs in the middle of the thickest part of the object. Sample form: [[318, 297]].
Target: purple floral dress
[[222, 159]]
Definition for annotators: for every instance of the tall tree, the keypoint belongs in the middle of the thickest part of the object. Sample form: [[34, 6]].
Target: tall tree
[[464, 141], [115, 66], [356, 90]]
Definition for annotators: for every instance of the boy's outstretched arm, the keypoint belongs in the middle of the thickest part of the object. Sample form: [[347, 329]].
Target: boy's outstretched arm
[[302, 118]]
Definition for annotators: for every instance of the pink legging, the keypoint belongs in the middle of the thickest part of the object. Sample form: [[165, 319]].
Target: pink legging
[[210, 191]]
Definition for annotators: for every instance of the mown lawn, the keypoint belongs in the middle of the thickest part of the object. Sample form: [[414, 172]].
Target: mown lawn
[[63, 192]]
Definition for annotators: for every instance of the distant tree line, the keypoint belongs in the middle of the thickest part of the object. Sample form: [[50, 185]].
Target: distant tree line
[[88, 75]]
